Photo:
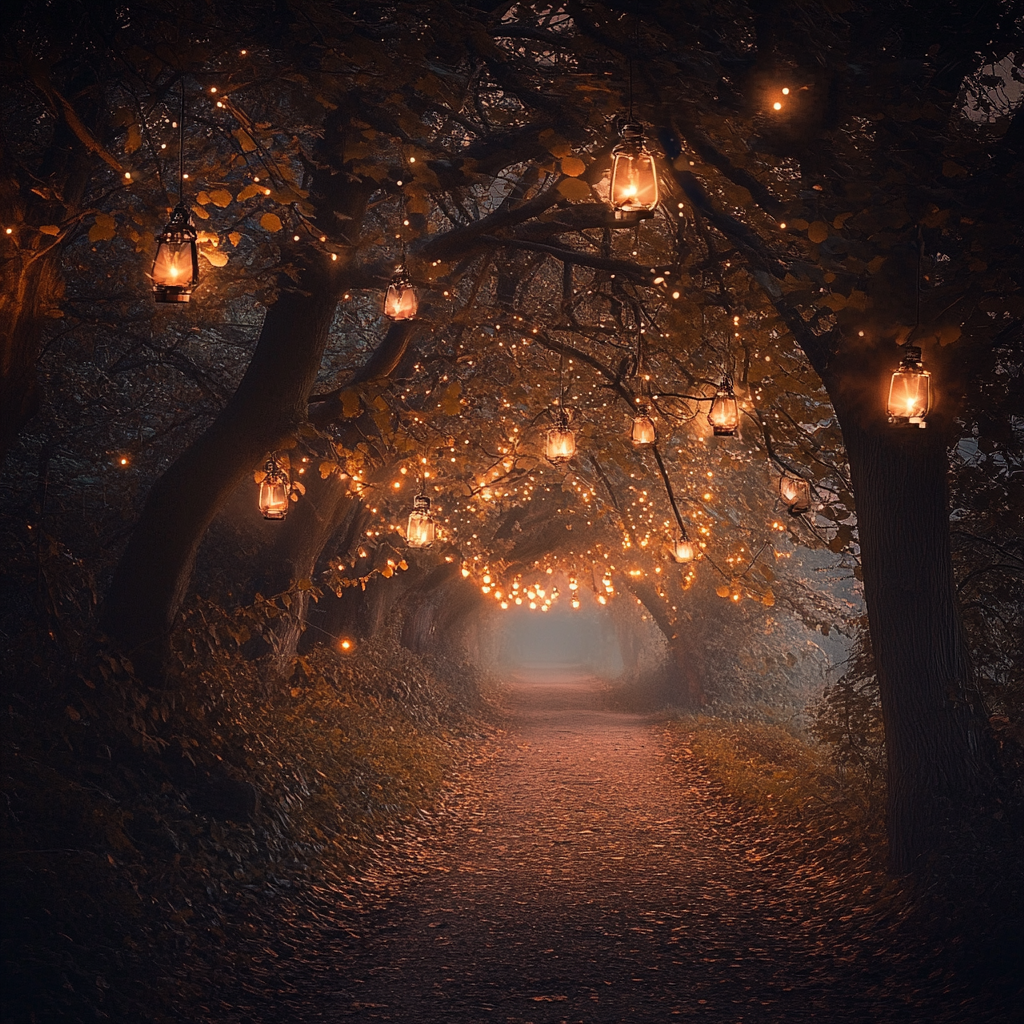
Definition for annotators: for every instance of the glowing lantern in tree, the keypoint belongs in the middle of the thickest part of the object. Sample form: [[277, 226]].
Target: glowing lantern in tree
[[683, 550], [724, 416], [421, 529], [274, 490], [910, 394], [561, 440], [400, 302], [795, 492], [643, 433], [634, 177], [176, 266]]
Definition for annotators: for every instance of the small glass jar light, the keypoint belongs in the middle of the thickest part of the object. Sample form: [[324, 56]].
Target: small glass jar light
[[795, 493], [910, 391], [683, 550], [643, 433], [634, 184], [176, 266], [400, 301], [724, 416], [560, 444], [275, 491], [421, 530]]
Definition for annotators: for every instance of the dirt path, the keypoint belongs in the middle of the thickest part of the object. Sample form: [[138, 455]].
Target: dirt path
[[587, 878]]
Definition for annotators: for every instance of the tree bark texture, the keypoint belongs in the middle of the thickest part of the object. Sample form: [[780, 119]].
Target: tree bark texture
[[153, 574], [935, 729]]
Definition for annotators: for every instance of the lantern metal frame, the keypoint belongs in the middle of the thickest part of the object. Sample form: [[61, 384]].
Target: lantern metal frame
[[724, 397], [178, 232], [559, 431], [911, 367], [643, 433], [795, 494], [632, 147], [275, 475], [683, 549], [422, 519], [400, 283]]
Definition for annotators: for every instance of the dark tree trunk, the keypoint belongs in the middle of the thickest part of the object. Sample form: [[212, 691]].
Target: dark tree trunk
[[153, 575], [28, 287], [685, 656], [935, 729]]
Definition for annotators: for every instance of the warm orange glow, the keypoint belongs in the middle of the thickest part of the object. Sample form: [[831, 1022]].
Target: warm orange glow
[[724, 416], [274, 497], [400, 301], [776, 106], [634, 184], [176, 266], [561, 444], [796, 493], [643, 432], [684, 550], [346, 646], [421, 529], [910, 397]]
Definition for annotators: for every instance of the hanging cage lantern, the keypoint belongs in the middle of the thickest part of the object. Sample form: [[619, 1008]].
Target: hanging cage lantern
[[910, 393], [176, 266], [275, 490], [795, 493], [421, 530], [560, 446], [643, 433], [400, 301], [634, 176], [683, 550], [724, 416]]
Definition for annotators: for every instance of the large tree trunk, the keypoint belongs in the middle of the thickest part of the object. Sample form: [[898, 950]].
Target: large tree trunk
[[935, 729], [153, 575], [29, 285]]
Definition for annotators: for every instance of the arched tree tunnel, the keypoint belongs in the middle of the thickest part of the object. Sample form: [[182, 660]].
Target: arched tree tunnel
[[537, 530]]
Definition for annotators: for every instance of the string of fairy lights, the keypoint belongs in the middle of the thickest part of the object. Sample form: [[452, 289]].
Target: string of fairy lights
[[515, 474]]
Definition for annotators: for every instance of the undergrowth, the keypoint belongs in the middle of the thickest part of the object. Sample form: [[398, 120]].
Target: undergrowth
[[141, 828]]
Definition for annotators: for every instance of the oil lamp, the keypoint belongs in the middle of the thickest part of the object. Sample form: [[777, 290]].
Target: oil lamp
[[421, 530], [634, 177], [910, 394], [176, 266], [561, 440], [400, 302], [643, 433], [274, 490], [724, 416], [795, 493]]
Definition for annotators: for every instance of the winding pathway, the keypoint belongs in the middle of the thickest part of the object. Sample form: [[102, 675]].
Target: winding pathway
[[587, 877]]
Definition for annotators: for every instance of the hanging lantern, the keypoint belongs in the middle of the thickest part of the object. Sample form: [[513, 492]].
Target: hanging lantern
[[724, 416], [274, 491], [643, 433], [400, 302], [795, 493], [561, 441], [634, 176], [910, 393], [421, 530], [683, 550], [176, 266]]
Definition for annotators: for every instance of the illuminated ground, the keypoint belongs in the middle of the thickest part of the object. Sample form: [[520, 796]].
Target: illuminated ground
[[586, 876]]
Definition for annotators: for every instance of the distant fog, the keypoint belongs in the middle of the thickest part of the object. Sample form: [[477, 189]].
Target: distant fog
[[560, 638]]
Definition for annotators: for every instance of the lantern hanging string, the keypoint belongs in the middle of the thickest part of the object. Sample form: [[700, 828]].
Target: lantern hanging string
[[668, 489], [181, 146]]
